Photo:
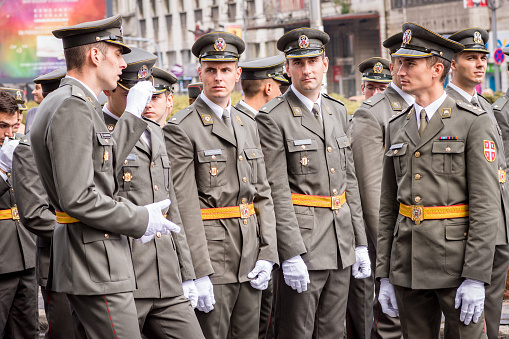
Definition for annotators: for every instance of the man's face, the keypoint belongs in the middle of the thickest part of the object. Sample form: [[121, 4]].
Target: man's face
[[370, 88], [37, 92], [275, 89], [117, 100], [159, 107], [307, 73], [111, 66], [469, 68], [219, 78], [415, 74], [16, 127], [394, 67], [7, 124]]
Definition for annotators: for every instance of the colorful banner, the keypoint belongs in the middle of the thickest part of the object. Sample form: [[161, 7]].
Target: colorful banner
[[27, 47]]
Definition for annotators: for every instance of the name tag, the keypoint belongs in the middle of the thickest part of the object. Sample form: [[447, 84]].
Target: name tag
[[210, 152], [131, 157], [105, 135], [302, 142], [397, 146]]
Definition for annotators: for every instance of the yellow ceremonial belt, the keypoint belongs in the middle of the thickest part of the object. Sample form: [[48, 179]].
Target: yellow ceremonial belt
[[420, 213], [64, 218], [334, 202], [11, 213], [243, 211]]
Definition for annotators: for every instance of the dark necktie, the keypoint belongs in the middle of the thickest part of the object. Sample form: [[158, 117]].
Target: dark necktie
[[424, 121], [316, 113], [227, 121], [475, 102]]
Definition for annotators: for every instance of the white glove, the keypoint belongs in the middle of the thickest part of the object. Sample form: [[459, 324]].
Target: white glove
[[205, 290], [296, 273], [362, 267], [138, 97], [387, 298], [190, 292], [6, 154], [157, 222], [261, 272], [470, 295]]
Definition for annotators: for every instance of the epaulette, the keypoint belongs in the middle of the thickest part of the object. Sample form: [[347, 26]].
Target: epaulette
[[18, 136], [78, 93], [402, 113], [500, 103], [470, 108], [271, 104], [248, 114], [25, 140], [333, 99], [375, 99], [150, 121], [180, 115]]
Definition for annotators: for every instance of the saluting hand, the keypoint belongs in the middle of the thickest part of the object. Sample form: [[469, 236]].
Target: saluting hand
[[6, 153], [138, 97]]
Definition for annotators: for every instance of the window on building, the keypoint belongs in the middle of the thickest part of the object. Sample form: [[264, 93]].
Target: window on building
[[143, 27], [181, 5], [198, 15], [416, 3], [214, 14], [155, 24], [186, 56], [270, 47], [169, 22], [251, 9], [172, 58], [140, 7], [183, 20], [153, 7], [232, 11], [196, 3]]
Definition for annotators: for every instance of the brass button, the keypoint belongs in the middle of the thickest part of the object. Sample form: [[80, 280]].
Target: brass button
[[213, 157], [344, 143], [126, 162], [156, 188], [334, 191], [417, 199], [152, 164], [241, 157], [395, 151], [417, 176], [465, 234], [106, 235], [337, 212], [245, 221], [106, 141], [8, 174], [303, 146], [447, 149], [12, 189], [503, 187], [158, 234], [329, 149], [244, 179], [254, 155], [244, 200], [417, 154], [332, 170]]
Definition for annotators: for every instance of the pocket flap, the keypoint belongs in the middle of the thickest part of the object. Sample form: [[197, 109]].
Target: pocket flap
[[215, 232], [211, 155], [456, 232], [343, 141], [253, 153], [396, 150], [92, 235], [105, 138], [448, 146], [299, 145], [165, 160]]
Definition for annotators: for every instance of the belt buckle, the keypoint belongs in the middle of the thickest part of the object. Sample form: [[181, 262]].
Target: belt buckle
[[15, 214], [336, 202], [244, 211], [417, 214], [502, 176]]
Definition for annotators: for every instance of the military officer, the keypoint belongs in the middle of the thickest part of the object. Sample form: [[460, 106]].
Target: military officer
[[376, 76], [368, 144], [18, 295], [224, 198], [161, 104], [261, 80], [439, 211], [316, 199], [160, 265], [468, 71], [77, 159], [194, 90]]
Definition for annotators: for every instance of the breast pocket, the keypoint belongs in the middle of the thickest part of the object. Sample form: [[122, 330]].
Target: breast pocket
[[166, 171], [105, 158], [302, 156], [397, 153], [211, 168], [343, 144], [128, 176], [448, 157], [253, 155]]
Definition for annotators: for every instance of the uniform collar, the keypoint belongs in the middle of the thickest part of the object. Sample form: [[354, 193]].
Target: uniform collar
[[407, 97], [306, 101], [243, 103], [214, 107], [430, 109], [464, 94], [86, 87], [107, 111]]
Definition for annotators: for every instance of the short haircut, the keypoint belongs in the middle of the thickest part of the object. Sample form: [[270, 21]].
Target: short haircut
[[322, 55], [432, 60], [75, 56], [7, 103], [251, 88]]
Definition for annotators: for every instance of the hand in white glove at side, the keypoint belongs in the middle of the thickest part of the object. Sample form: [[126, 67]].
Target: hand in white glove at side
[[205, 290], [260, 274], [362, 267], [157, 222], [6, 153], [190, 292], [387, 298], [470, 295], [138, 97], [296, 273]]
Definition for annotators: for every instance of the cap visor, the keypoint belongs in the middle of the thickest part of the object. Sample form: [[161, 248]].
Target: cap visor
[[281, 79], [473, 49], [22, 107], [384, 81], [125, 48], [410, 53], [225, 57]]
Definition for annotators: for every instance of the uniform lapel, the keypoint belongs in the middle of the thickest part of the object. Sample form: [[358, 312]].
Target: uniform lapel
[[142, 146], [436, 124], [411, 126], [238, 128], [308, 120], [218, 127], [328, 124], [398, 104]]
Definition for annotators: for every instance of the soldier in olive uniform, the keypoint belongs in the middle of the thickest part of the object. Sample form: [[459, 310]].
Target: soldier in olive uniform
[[77, 160], [224, 198], [368, 144], [18, 293], [468, 70], [316, 199], [160, 106], [161, 264], [376, 75], [440, 201]]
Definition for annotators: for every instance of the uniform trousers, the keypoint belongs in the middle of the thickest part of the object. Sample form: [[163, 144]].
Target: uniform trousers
[[167, 318], [317, 313], [266, 310], [59, 315], [420, 312], [236, 314], [18, 305], [107, 316]]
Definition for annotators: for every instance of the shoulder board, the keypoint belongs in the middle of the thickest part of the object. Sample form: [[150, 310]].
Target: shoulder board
[[500, 103], [25, 140], [78, 93], [18, 136], [402, 113], [333, 99], [150, 121], [247, 114], [374, 99], [470, 108], [271, 104], [180, 115]]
